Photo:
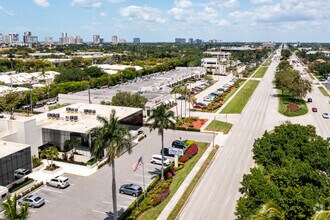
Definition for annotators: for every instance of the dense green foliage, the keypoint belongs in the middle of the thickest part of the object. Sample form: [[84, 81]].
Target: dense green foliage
[[292, 167], [247, 56], [12, 211], [290, 81], [285, 54], [128, 99]]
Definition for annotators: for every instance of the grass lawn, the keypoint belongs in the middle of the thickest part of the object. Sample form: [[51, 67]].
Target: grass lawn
[[192, 186], [267, 63], [324, 92], [284, 101], [233, 91], [179, 177], [219, 126], [237, 104], [261, 72]]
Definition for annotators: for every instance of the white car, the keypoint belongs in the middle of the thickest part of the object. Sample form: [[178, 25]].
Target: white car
[[59, 182], [325, 115], [157, 159], [208, 98], [51, 102]]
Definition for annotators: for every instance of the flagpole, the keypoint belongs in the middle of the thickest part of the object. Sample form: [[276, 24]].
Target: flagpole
[[144, 184]]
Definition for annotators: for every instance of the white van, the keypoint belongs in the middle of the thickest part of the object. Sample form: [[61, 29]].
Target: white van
[[157, 159]]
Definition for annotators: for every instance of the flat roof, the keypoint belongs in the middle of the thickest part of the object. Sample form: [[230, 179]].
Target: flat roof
[[85, 121], [8, 148]]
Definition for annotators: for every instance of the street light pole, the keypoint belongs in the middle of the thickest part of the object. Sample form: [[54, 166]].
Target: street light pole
[[214, 132], [31, 105]]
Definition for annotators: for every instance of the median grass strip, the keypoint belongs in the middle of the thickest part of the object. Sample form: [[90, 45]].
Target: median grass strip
[[323, 91], [175, 212], [178, 179], [219, 126], [291, 107], [261, 72], [233, 91], [267, 63], [237, 104]]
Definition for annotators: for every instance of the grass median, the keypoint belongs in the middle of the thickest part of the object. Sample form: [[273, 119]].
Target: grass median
[[261, 72], [237, 104], [219, 126], [291, 107], [323, 91], [233, 91], [178, 179], [175, 212]]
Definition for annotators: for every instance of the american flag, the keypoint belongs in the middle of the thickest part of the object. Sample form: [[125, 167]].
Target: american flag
[[137, 164]]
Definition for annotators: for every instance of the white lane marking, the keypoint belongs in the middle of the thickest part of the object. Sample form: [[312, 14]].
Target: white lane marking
[[101, 212], [139, 182], [210, 196], [112, 203], [126, 196], [30, 210], [51, 190], [227, 200], [47, 201]]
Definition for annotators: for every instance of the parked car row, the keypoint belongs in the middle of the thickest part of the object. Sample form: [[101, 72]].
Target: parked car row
[[210, 97]]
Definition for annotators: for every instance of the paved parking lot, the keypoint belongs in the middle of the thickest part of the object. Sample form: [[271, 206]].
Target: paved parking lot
[[90, 197]]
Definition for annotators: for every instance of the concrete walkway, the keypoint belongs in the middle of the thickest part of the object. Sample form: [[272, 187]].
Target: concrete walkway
[[220, 140], [79, 170]]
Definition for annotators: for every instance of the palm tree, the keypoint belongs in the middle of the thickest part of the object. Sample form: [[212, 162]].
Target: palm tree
[[269, 211], [11, 212], [50, 153], [115, 138], [191, 100], [161, 120], [174, 91], [184, 91], [322, 215]]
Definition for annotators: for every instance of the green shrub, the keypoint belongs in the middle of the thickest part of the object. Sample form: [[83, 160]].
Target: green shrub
[[16, 187], [36, 161], [102, 164]]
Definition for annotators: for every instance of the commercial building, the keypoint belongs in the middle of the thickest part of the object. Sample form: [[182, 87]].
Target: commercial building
[[219, 54], [114, 40], [13, 157], [191, 40], [113, 69], [57, 126], [49, 40], [29, 39], [64, 39], [155, 87], [214, 66], [180, 40], [96, 39], [75, 39], [136, 40]]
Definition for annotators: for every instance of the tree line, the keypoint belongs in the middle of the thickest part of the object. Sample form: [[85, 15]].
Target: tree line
[[291, 177]]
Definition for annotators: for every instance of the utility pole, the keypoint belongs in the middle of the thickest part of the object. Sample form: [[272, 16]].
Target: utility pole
[[214, 132], [31, 104]]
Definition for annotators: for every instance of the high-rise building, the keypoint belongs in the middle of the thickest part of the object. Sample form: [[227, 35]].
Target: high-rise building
[[75, 39], [198, 41], [29, 39], [64, 39], [136, 40], [114, 40], [1, 39], [191, 40], [121, 41], [49, 40], [180, 40], [96, 39], [101, 40], [13, 38]]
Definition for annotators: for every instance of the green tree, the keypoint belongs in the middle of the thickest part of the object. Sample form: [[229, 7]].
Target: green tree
[[322, 215], [93, 71], [161, 120], [115, 139], [270, 211], [11, 101], [12, 212], [50, 153], [175, 90], [128, 99]]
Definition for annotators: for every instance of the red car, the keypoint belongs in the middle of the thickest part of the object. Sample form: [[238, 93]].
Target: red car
[[314, 109], [198, 106]]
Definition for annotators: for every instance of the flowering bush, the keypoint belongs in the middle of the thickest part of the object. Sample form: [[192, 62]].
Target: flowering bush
[[189, 153]]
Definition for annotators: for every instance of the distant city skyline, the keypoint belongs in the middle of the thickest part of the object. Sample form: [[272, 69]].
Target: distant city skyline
[[163, 21]]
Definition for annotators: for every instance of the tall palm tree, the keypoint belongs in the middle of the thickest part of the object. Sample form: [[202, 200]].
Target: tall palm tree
[[12, 212], [115, 138], [174, 91], [161, 120], [185, 92], [191, 100]]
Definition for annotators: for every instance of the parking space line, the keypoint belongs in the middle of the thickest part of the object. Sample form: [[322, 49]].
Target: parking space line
[[47, 201], [51, 190], [112, 203], [101, 212], [139, 182], [30, 210], [126, 196]]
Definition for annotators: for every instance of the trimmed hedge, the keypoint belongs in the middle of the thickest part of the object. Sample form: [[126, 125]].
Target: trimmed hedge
[[34, 187]]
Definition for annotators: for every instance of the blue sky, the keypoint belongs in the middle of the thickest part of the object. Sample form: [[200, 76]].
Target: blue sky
[[164, 20]]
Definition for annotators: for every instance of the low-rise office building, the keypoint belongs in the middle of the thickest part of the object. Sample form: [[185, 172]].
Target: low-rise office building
[[214, 66], [13, 157]]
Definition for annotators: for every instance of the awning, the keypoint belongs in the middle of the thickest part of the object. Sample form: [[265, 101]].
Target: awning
[[166, 102], [171, 100]]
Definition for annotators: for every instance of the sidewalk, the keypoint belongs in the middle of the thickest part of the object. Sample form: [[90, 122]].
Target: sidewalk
[[42, 175], [220, 140]]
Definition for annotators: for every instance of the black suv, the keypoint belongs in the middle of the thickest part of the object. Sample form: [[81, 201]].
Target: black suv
[[179, 144]]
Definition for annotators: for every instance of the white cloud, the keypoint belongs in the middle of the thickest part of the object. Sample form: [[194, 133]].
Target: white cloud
[[116, 1], [224, 3], [86, 3], [261, 2], [181, 14], [41, 3], [103, 14], [9, 13], [183, 3], [144, 13]]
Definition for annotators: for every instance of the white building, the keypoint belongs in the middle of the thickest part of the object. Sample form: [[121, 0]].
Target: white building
[[113, 69], [213, 66], [114, 40]]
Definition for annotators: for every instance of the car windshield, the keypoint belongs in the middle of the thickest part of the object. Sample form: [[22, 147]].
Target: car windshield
[[37, 199]]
